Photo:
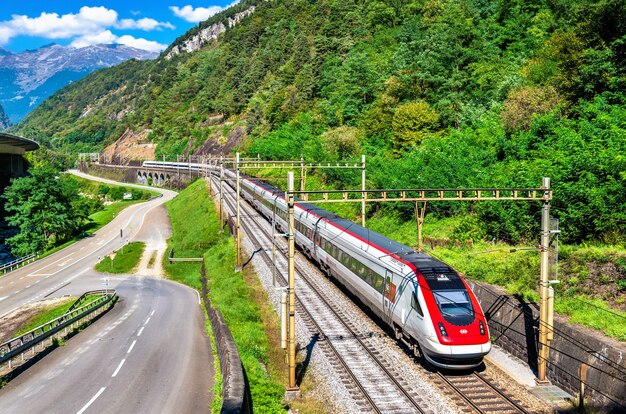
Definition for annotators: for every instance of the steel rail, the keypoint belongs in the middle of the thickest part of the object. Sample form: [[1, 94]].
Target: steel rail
[[479, 406], [303, 277], [310, 317]]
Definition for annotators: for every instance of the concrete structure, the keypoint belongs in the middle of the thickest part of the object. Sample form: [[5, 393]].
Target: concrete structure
[[156, 177], [513, 324], [12, 163]]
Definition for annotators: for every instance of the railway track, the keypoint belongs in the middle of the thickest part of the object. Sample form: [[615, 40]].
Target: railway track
[[479, 394], [374, 384], [365, 371]]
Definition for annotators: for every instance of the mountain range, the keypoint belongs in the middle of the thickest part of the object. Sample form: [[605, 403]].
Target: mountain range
[[4, 119], [436, 95], [29, 77]]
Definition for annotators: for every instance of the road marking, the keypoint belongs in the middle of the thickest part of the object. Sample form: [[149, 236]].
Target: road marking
[[82, 410], [152, 313], [131, 346], [56, 261], [118, 368], [198, 293], [139, 334], [146, 322], [3, 298]]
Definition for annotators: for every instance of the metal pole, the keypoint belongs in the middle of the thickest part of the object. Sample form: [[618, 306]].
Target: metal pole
[[221, 194], [238, 235], [419, 218], [543, 284], [274, 247], [292, 284], [302, 173], [363, 195]]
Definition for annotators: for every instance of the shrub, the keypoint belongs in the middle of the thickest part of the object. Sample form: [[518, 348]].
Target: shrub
[[524, 103], [412, 122]]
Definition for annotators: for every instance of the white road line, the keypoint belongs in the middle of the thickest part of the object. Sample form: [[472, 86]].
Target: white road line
[[118, 368], [131, 346], [56, 261], [3, 298], [199, 301], [139, 334], [152, 313], [146, 322], [82, 410]]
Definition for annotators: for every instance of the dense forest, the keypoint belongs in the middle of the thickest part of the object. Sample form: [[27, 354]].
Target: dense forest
[[436, 93]]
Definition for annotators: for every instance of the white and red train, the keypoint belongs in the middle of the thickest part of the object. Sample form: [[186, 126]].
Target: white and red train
[[429, 305]]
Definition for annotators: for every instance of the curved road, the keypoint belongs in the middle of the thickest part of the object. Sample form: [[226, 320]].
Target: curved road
[[148, 354]]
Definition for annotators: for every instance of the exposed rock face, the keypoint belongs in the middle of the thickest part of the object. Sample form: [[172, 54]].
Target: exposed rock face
[[218, 144], [131, 146], [208, 34]]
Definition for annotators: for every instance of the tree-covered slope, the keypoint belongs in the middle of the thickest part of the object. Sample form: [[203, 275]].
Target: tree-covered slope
[[437, 93]]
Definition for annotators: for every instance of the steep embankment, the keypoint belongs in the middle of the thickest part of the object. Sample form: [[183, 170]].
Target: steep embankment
[[459, 93]]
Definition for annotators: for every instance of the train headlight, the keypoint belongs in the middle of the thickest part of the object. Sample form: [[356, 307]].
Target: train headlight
[[442, 329], [481, 326]]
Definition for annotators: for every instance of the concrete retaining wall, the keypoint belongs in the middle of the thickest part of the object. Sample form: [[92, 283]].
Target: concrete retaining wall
[[236, 396], [513, 324]]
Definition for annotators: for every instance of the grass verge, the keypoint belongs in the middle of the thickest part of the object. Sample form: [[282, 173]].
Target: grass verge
[[124, 260], [195, 233], [46, 314]]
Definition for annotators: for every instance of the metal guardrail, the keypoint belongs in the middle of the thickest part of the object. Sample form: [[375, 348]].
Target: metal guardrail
[[173, 259], [19, 345], [7, 267]]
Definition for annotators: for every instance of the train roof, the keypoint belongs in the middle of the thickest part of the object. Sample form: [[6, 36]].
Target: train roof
[[437, 274]]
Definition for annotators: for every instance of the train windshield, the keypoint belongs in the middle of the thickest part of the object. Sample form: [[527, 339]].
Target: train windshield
[[455, 306]]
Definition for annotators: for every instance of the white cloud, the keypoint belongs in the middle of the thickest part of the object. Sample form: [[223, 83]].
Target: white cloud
[[141, 43], [6, 33], [146, 24], [105, 37], [195, 15], [84, 27], [53, 26]]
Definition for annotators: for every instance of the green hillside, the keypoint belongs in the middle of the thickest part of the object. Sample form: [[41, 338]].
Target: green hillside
[[436, 93]]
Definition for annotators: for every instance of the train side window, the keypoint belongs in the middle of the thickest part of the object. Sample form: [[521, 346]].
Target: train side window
[[416, 305]]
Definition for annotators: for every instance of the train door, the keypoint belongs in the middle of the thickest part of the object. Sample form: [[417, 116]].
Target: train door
[[389, 295], [316, 239]]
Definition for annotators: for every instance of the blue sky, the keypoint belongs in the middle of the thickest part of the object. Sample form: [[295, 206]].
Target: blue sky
[[145, 24]]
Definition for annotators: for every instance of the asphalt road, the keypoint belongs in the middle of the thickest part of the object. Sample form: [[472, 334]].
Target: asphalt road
[[147, 355]]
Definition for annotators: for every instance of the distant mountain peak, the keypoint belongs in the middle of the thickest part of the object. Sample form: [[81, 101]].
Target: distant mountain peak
[[5, 122], [30, 76]]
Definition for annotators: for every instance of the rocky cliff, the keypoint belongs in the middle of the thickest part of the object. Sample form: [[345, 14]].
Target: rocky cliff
[[208, 34]]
